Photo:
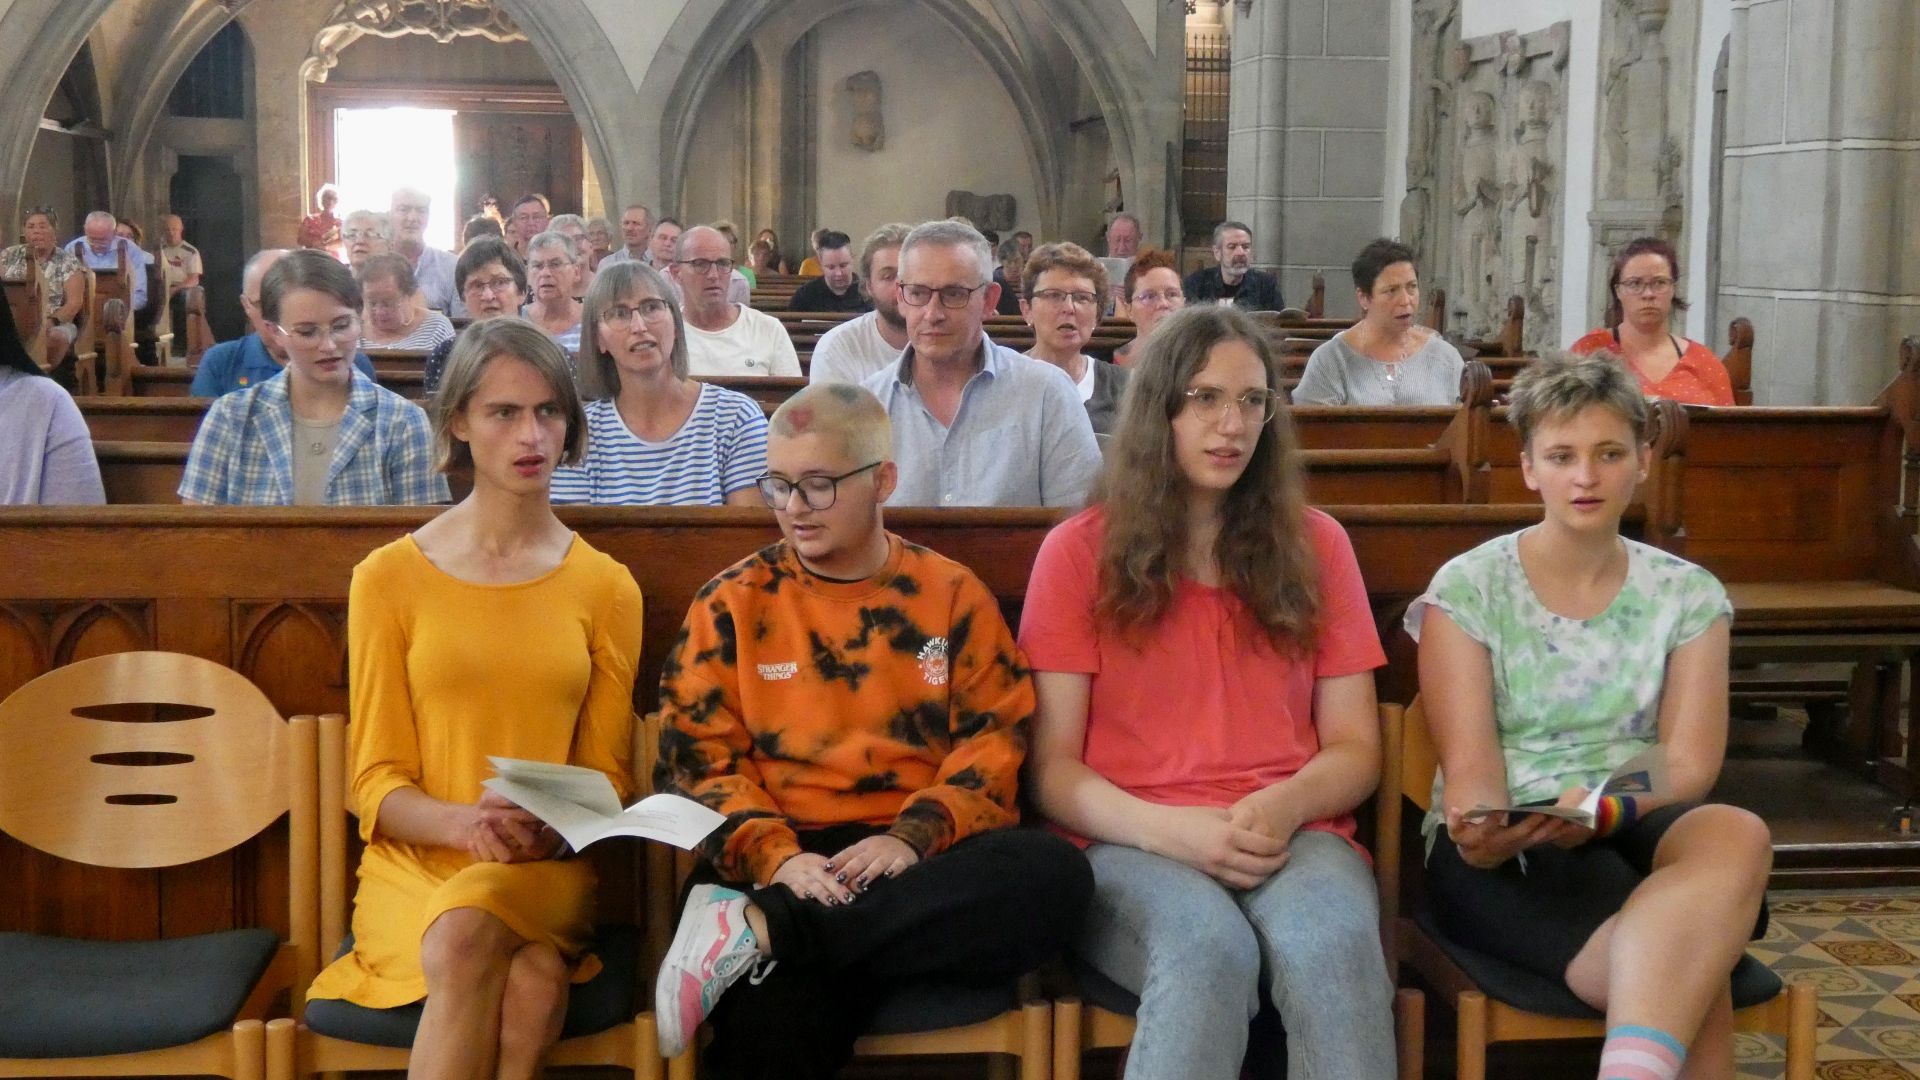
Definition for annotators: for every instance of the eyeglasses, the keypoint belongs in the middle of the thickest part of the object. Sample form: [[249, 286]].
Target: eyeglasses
[[622, 315], [344, 328], [708, 266], [361, 234], [953, 297], [389, 305], [818, 492], [1169, 297], [1209, 403], [1061, 298], [482, 286], [1652, 285], [538, 265]]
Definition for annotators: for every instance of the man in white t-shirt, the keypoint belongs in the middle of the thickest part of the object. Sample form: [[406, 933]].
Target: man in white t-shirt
[[859, 347], [725, 337]]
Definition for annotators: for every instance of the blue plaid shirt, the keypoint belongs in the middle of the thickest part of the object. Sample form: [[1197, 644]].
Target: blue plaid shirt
[[243, 454]]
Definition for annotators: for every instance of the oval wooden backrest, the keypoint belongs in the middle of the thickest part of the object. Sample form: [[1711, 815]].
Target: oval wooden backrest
[[1418, 759], [141, 759]]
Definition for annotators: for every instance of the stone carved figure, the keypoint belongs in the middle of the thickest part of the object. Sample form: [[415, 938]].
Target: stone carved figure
[[1530, 196], [994, 212], [1476, 203], [1431, 91], [869, 127]]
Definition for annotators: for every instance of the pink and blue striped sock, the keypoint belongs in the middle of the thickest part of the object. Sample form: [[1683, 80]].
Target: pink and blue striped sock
[[1635, 1052]]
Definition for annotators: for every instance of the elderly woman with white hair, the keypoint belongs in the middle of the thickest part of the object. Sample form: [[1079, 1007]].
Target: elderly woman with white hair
[[553, 275], [574, 228], [365, 233]]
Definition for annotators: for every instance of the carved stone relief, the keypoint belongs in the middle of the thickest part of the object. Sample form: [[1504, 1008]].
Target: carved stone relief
[[869, 126], [994, 212], [1486, 161], [442, 20]]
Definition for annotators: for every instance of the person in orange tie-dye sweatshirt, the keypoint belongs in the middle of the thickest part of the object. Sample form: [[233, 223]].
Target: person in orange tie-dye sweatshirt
[[857, 708]]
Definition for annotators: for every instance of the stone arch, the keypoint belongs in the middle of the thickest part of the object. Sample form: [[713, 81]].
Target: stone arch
[[137, 115], [38, 39]]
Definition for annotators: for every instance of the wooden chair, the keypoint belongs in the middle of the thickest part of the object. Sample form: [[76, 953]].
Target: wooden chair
[[144, 760], [603, 1028], [27, 303], [1014, 1027], [1100, 1016], [1496, 1002], [85, 352]]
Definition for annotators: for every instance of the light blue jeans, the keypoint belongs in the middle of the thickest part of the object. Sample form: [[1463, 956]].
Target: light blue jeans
[[1194, 950]]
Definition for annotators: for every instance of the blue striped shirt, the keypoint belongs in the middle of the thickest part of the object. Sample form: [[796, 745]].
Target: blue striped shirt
[[719, 450]]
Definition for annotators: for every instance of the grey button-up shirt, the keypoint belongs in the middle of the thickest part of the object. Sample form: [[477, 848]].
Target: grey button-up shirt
[[1020, 438], [433, 273]]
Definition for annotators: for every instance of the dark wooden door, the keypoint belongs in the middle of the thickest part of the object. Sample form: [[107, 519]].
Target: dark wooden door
[[508, 155], [206, 193]]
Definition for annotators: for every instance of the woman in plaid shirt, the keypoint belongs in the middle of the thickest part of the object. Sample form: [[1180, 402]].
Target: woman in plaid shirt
[[319, 433]]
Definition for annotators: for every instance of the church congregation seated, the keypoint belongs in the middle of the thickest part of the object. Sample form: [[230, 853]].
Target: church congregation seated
[[526, 219], [492, 282], [1642, 288], [725, 337], [859, 347], [574, 228], [101, 247], [1008, 274], [975, 423], [1064, 286], [493, 629], [408, 211], [39, 251], [776, 258], [319, 433], [363, 234], [553, 271], [46, 455], [1233, 279], [662, 244], [871, 797], [396, 315], [600, 233], [1150, 292], [636, 237], [261, 354], [656, 436], [183, 268], [837, 288], [1387, 358]]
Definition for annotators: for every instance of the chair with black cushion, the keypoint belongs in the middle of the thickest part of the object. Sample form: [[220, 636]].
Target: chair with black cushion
[[1097, 1013], [605, 1025], [1496, 1001], [139, 761]]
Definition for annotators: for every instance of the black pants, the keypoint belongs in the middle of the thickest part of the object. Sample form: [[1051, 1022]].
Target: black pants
[[987, 910]]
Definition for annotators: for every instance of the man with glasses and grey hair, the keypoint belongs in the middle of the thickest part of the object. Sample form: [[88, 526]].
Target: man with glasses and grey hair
[[98, 247], [974, 423], [724, 336]]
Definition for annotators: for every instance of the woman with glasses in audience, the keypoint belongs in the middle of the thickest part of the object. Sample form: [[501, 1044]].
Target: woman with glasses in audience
[[656, 436], [1639, 329], [1153, 292], [1549, 658], [492, 282], [46, 452], [395, 316], [1387, 357], [1064, 285], [553, 269], [320, 433], [62, 274], [491, 630], [364, 234], [1203, 656]]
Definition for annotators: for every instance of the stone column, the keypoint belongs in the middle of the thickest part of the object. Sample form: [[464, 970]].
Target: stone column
[[1306, 136], [1821, 187]]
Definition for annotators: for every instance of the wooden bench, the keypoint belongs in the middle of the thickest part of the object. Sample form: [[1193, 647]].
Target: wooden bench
[[143, 419]]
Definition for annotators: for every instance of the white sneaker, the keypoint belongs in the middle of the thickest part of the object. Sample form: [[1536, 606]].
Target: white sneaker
[[713, 947]]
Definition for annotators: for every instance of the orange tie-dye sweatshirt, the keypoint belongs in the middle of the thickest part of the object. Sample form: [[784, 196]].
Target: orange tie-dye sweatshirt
[[794, 702]]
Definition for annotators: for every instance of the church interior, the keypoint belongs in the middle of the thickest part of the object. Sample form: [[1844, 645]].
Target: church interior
[[1515, 148]]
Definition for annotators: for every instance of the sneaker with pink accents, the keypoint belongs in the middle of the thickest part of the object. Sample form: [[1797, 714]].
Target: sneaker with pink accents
[[713, 947]]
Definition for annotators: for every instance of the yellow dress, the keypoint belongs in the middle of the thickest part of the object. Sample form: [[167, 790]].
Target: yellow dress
[[443, 673]]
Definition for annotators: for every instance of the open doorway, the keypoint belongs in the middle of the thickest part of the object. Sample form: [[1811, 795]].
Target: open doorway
[[369, 162]]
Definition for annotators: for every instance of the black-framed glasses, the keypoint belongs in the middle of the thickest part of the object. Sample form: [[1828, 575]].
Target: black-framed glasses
[[818, 492], [708, 266], [1209, 403], [953, 297]]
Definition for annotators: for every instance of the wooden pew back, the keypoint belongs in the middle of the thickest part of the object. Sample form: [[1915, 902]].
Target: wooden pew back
[[27, 305]]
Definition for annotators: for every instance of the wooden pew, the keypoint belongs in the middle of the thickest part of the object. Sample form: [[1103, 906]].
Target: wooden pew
[[27, 305], [143, 419], [385, 360], [199, 332], [1317, 298], [140, 473], [117, 361], [103, 286]]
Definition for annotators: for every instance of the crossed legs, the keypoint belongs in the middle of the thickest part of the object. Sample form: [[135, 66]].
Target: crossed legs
[[495, 1001]]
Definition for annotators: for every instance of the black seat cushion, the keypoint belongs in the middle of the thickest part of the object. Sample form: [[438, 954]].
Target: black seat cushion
[[1266, 1038], [915, 1007], [1753, 982], [593, 1006], [62, 997]]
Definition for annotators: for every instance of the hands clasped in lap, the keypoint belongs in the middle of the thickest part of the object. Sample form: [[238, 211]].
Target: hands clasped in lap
[[842, 878]]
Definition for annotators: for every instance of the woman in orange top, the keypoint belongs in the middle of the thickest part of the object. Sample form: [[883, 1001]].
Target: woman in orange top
[[1668, 366]]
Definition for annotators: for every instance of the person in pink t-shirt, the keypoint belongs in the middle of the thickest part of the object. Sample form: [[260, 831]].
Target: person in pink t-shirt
[[1203, 655]]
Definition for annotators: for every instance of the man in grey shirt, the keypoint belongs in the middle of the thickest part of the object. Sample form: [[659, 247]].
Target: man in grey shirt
[[975, 424]]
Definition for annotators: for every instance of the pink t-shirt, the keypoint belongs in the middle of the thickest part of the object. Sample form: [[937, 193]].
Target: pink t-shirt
[[1203, 710]]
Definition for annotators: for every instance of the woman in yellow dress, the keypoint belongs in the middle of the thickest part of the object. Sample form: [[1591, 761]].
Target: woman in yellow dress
[[491, 630]]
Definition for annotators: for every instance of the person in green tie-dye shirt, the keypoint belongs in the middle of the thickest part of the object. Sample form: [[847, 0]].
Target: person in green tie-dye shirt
[[1548, 658]]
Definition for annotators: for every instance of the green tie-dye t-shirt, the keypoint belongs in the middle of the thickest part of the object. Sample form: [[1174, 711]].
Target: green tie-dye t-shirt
[[1573, 699]]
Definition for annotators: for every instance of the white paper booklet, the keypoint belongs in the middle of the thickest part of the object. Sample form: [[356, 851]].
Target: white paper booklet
[[1644, 775], [582, 806]]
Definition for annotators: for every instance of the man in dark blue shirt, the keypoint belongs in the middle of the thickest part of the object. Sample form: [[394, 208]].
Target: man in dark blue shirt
[[1234, 281], [234, 365]]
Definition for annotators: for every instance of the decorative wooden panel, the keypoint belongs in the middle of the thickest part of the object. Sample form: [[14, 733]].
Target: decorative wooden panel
[[295, 652]]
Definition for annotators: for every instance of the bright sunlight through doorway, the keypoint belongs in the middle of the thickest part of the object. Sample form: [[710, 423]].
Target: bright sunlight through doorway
[[377, 150]]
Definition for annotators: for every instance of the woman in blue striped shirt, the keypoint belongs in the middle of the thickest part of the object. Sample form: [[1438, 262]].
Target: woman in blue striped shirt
[[655, 436]]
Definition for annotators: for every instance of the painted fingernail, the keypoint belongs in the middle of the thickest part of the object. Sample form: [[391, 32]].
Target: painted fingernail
[[840, 878]]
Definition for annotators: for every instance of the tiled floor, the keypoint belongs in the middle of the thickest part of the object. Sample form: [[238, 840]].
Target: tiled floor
[[1862, 950]]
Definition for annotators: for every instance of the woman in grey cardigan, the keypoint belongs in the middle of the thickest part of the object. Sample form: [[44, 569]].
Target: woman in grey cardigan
[[1386, 358], [1064, 286]]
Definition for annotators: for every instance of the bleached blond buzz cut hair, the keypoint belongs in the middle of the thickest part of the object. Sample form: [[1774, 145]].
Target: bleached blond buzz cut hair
[[1559, 386], [842, 410]]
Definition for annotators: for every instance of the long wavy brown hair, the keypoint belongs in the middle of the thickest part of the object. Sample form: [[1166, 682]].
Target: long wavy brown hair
[[1264, 553]]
